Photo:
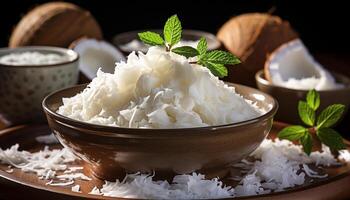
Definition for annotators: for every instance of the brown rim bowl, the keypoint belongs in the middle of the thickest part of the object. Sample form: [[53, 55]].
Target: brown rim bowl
[[113, 151], [288, 98]]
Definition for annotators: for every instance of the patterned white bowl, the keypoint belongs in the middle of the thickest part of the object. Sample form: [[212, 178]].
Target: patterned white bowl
[[23, 87]]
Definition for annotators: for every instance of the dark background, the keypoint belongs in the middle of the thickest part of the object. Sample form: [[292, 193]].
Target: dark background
[[323, 25]]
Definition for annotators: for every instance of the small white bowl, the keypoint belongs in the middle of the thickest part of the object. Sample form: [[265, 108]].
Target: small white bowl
[[23, 87]]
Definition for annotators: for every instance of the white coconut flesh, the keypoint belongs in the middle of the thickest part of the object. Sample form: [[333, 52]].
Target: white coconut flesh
[[96, 54], [292, 66]]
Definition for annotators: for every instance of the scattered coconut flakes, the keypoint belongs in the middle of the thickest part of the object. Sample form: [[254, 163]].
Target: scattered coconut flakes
[[279, 165], [311, 173], [95, 191], [74, 176], [184, 187], [44, 163], [47, 139], [344, 155], [9, 171], [73, 169], [250, 185], [60, 183], [76, 188]]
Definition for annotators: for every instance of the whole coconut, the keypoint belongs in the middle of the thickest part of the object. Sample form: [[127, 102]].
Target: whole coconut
[[55, 24], [252, 37]]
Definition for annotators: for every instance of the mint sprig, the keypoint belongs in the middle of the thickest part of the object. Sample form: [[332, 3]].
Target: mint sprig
[[320, 129], [151, 38], [215, 60], [172, 31], [186, 51]]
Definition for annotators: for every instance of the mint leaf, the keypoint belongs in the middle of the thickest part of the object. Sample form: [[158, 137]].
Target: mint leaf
[[219, 57], [186, 51], [172, 30], [313, 99], [151, 38], [202, 46], [306, 113], [292, 133], [330, 115], [306, 141], [218, 70], [331, 138]]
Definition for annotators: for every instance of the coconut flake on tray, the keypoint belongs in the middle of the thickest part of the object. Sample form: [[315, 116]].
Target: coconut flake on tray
[[45, 164], [144, 93], [47, 139], [275, 166]]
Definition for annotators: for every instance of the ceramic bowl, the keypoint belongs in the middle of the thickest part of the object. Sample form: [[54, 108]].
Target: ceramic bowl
[[121, 40], [288, 98], [113, 151], [23, 87]]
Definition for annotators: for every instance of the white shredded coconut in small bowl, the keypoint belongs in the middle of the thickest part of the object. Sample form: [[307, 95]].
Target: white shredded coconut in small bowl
[[32, 58]]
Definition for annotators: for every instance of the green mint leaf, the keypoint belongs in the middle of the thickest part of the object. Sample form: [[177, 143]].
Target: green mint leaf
[[186, 51], [330, 115], [218, 70], [202, 46], [331, 138], [306, 142], [306, 113], [151, 38], [292, 133], [313, 99], [219, 57], [172, 30]]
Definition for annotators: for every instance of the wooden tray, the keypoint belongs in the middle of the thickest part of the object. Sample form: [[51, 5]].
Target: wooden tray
[[19, 185]]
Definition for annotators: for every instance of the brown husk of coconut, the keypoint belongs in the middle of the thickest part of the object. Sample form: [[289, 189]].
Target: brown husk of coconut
[[55, 24], [252, 37]]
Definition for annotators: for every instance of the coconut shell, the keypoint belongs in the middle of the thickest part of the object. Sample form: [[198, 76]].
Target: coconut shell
[[252, 37], [55, 24], [273, 54]]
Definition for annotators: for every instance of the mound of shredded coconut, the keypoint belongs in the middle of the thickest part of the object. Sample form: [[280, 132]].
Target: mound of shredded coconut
[[158, 90], [32, 58], [277, 165]]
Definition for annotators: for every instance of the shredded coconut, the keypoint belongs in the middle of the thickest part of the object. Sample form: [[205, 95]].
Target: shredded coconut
[[95, 191], [143, 93], [74, 176], [184, 187], [76, 188], [344, 155], [47, 139], [275, 166], [52, 183], [32, 58]]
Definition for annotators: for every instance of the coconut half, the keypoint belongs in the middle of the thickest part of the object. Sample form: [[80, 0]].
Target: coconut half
[[95, 54], [292, 66]]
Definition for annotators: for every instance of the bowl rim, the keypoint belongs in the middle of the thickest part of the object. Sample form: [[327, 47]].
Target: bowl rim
[[148, 131], [116, 38], [261, 80], [73, 56]]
